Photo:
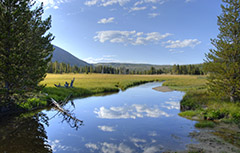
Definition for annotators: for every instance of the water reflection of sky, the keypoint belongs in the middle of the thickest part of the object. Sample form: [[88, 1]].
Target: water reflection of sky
[[137, 120]]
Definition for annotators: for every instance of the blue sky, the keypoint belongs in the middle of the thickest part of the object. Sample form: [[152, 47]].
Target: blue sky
[[135, 31]]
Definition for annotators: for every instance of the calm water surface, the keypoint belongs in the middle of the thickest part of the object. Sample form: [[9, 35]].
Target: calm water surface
[[139, 119]]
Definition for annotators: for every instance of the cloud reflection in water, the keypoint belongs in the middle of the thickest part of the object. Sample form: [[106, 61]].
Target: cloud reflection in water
[[172, 105], [140, 144], [109, 148], [106, 128], [133, 111]]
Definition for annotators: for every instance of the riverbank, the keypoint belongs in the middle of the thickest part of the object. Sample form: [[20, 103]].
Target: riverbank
[[221, 138], [84, 85], [90, 84], [219, 119]]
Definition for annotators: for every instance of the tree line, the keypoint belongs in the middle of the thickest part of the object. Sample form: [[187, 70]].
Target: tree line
[[188, 69], [58, 67]]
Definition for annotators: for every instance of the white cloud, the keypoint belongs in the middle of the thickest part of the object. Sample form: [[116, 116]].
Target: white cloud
[[138, 3], [111, 2], [154, 7], [173, 51], [92, 2], [106, 128], [106, 20], [138, 8], [121, 2], [155, 1], [103, 59], [181, 44], [134, 111], [52, 3], [153, 15], [129, 37], [106, 2]]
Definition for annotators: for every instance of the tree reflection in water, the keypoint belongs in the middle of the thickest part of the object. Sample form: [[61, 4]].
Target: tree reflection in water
[[26, 133]]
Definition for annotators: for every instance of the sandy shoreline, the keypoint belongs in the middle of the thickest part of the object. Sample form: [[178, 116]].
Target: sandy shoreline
[[163, 89]]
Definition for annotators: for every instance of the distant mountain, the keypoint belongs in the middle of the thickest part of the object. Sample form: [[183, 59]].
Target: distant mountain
[[131, 66], [63, 56]]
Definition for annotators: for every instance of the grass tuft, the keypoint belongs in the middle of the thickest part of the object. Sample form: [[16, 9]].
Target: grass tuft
[[205, 124]]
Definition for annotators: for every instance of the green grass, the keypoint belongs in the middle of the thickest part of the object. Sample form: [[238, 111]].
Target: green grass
[[89, 84], [205, 124], [33, 103], [189, 114], [196, 99]]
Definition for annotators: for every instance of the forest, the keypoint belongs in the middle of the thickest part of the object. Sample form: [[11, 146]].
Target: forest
[[59, 68]]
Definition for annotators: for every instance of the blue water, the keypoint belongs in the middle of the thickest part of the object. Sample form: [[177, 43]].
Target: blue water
[[139, 119]]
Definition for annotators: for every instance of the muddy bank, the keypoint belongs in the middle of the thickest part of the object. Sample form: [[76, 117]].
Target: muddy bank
[[215, 140], [163, 89]]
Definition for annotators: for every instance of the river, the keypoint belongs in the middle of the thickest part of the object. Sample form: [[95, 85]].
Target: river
[[139, 119]]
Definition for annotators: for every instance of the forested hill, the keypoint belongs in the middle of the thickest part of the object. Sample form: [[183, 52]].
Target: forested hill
[[62, 56], [130, 66]]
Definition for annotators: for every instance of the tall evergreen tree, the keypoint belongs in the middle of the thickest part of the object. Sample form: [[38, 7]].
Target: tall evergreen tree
[[223, 62], [25, 48]]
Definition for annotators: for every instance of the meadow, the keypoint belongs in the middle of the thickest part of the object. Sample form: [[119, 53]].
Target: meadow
[[89, 84], [196, 104]]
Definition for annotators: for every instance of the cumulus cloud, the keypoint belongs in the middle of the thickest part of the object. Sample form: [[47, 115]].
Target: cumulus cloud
[[106, 20], [134, 111], [129, 37], [181, 44], [52, 3], [153, 15], [106, 128]]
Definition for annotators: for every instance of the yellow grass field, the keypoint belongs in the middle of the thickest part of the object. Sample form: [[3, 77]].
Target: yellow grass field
[[93, 81]]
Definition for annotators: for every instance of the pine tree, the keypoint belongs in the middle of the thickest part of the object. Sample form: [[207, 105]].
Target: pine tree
[[223, 62], [25, 48]]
